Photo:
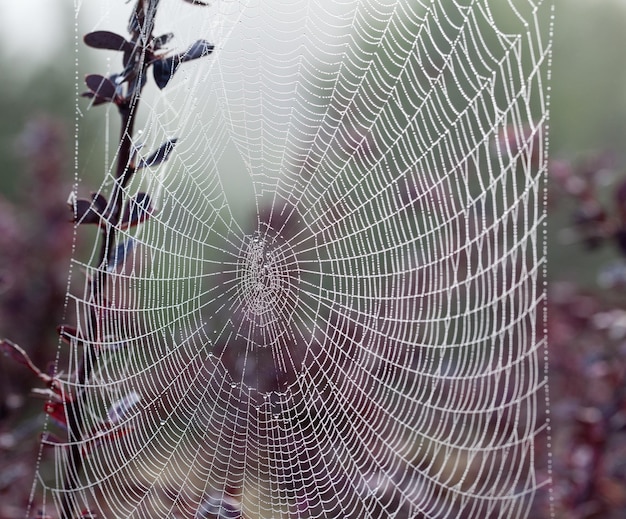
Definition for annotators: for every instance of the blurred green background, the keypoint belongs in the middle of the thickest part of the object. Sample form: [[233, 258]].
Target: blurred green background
[[588, 104]]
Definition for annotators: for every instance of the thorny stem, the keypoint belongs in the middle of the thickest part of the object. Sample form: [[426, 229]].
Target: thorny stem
[[140, 26]]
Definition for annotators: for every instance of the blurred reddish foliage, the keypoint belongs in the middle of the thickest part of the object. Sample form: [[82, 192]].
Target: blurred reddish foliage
[[587, 328], [587, 344], [36, 244], [588, 392]]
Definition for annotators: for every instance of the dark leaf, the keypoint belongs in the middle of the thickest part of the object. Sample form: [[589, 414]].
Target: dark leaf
[[197, 50], [101, 87], [99, 202], [89, 211], [197, 2], [162, 41], [96, 100], [163, 70], [136, 211], [107, 40], [159, 155], [136, 148], [122, 252], [83, 212]]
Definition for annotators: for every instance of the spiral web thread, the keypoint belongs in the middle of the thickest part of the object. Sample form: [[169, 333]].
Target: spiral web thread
[[336, 310]]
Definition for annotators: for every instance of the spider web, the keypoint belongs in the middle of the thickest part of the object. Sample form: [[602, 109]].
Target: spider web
[[336, 310]]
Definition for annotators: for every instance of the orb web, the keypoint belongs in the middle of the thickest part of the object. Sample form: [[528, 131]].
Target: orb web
[[334, 310]]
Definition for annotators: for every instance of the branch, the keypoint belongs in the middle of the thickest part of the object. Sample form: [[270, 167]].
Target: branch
[[139, 53]]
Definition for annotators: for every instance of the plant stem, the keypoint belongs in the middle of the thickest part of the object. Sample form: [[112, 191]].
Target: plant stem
[[142, 23]]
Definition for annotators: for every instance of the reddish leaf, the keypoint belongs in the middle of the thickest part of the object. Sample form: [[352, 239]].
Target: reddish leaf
[[46, 394], [107, 40], [56, 411], [55, 392], [21, 357]]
